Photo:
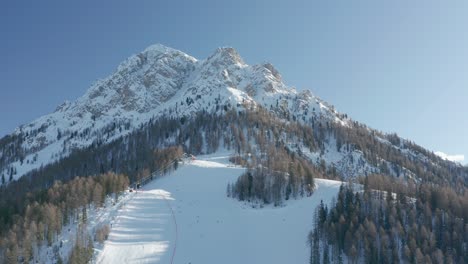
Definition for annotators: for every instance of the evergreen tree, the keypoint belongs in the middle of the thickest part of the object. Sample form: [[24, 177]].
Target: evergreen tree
[[326, 258]]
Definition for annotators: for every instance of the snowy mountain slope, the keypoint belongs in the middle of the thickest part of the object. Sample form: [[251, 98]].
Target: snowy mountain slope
[[211, 228], [162, 82], [159, 81]]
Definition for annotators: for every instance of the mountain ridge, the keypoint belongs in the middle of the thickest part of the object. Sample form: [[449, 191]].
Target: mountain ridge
[[162, 82], [159, 81]]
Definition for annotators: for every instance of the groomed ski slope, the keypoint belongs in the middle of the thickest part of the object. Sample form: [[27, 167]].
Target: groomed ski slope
[[186, 217]]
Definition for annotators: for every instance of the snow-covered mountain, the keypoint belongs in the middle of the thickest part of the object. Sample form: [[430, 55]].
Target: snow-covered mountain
[[160, 81], [257, 140]]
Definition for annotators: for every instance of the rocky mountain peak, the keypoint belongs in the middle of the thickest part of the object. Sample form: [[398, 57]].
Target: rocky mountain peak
[[272, 70], [225, 56], [162, 81]]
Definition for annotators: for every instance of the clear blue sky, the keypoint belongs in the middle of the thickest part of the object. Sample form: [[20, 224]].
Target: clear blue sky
[[398, 66]]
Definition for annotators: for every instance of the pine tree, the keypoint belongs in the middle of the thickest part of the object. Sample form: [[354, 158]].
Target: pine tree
[[315, 254], [228, 190], [97, 195], [84, 215], [11, 256], [27, 246], [326, 258]]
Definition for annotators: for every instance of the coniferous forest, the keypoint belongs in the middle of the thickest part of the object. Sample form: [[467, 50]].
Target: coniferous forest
[[392, 222], [48, 211]]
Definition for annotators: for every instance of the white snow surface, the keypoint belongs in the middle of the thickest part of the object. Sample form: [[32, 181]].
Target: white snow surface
[[455, 158], [186, 217]]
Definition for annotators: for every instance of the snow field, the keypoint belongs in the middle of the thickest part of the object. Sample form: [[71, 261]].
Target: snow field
[[186, 217]]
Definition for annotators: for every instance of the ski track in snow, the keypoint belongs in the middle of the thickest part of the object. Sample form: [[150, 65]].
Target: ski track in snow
[[176, 229], [189, 211]]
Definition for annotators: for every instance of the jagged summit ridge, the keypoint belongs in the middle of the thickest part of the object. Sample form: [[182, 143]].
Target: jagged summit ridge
[[226, 56], [162, 81]]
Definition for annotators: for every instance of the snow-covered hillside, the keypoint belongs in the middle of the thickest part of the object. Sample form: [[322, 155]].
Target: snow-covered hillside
[[159, 81], [186, 217]]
